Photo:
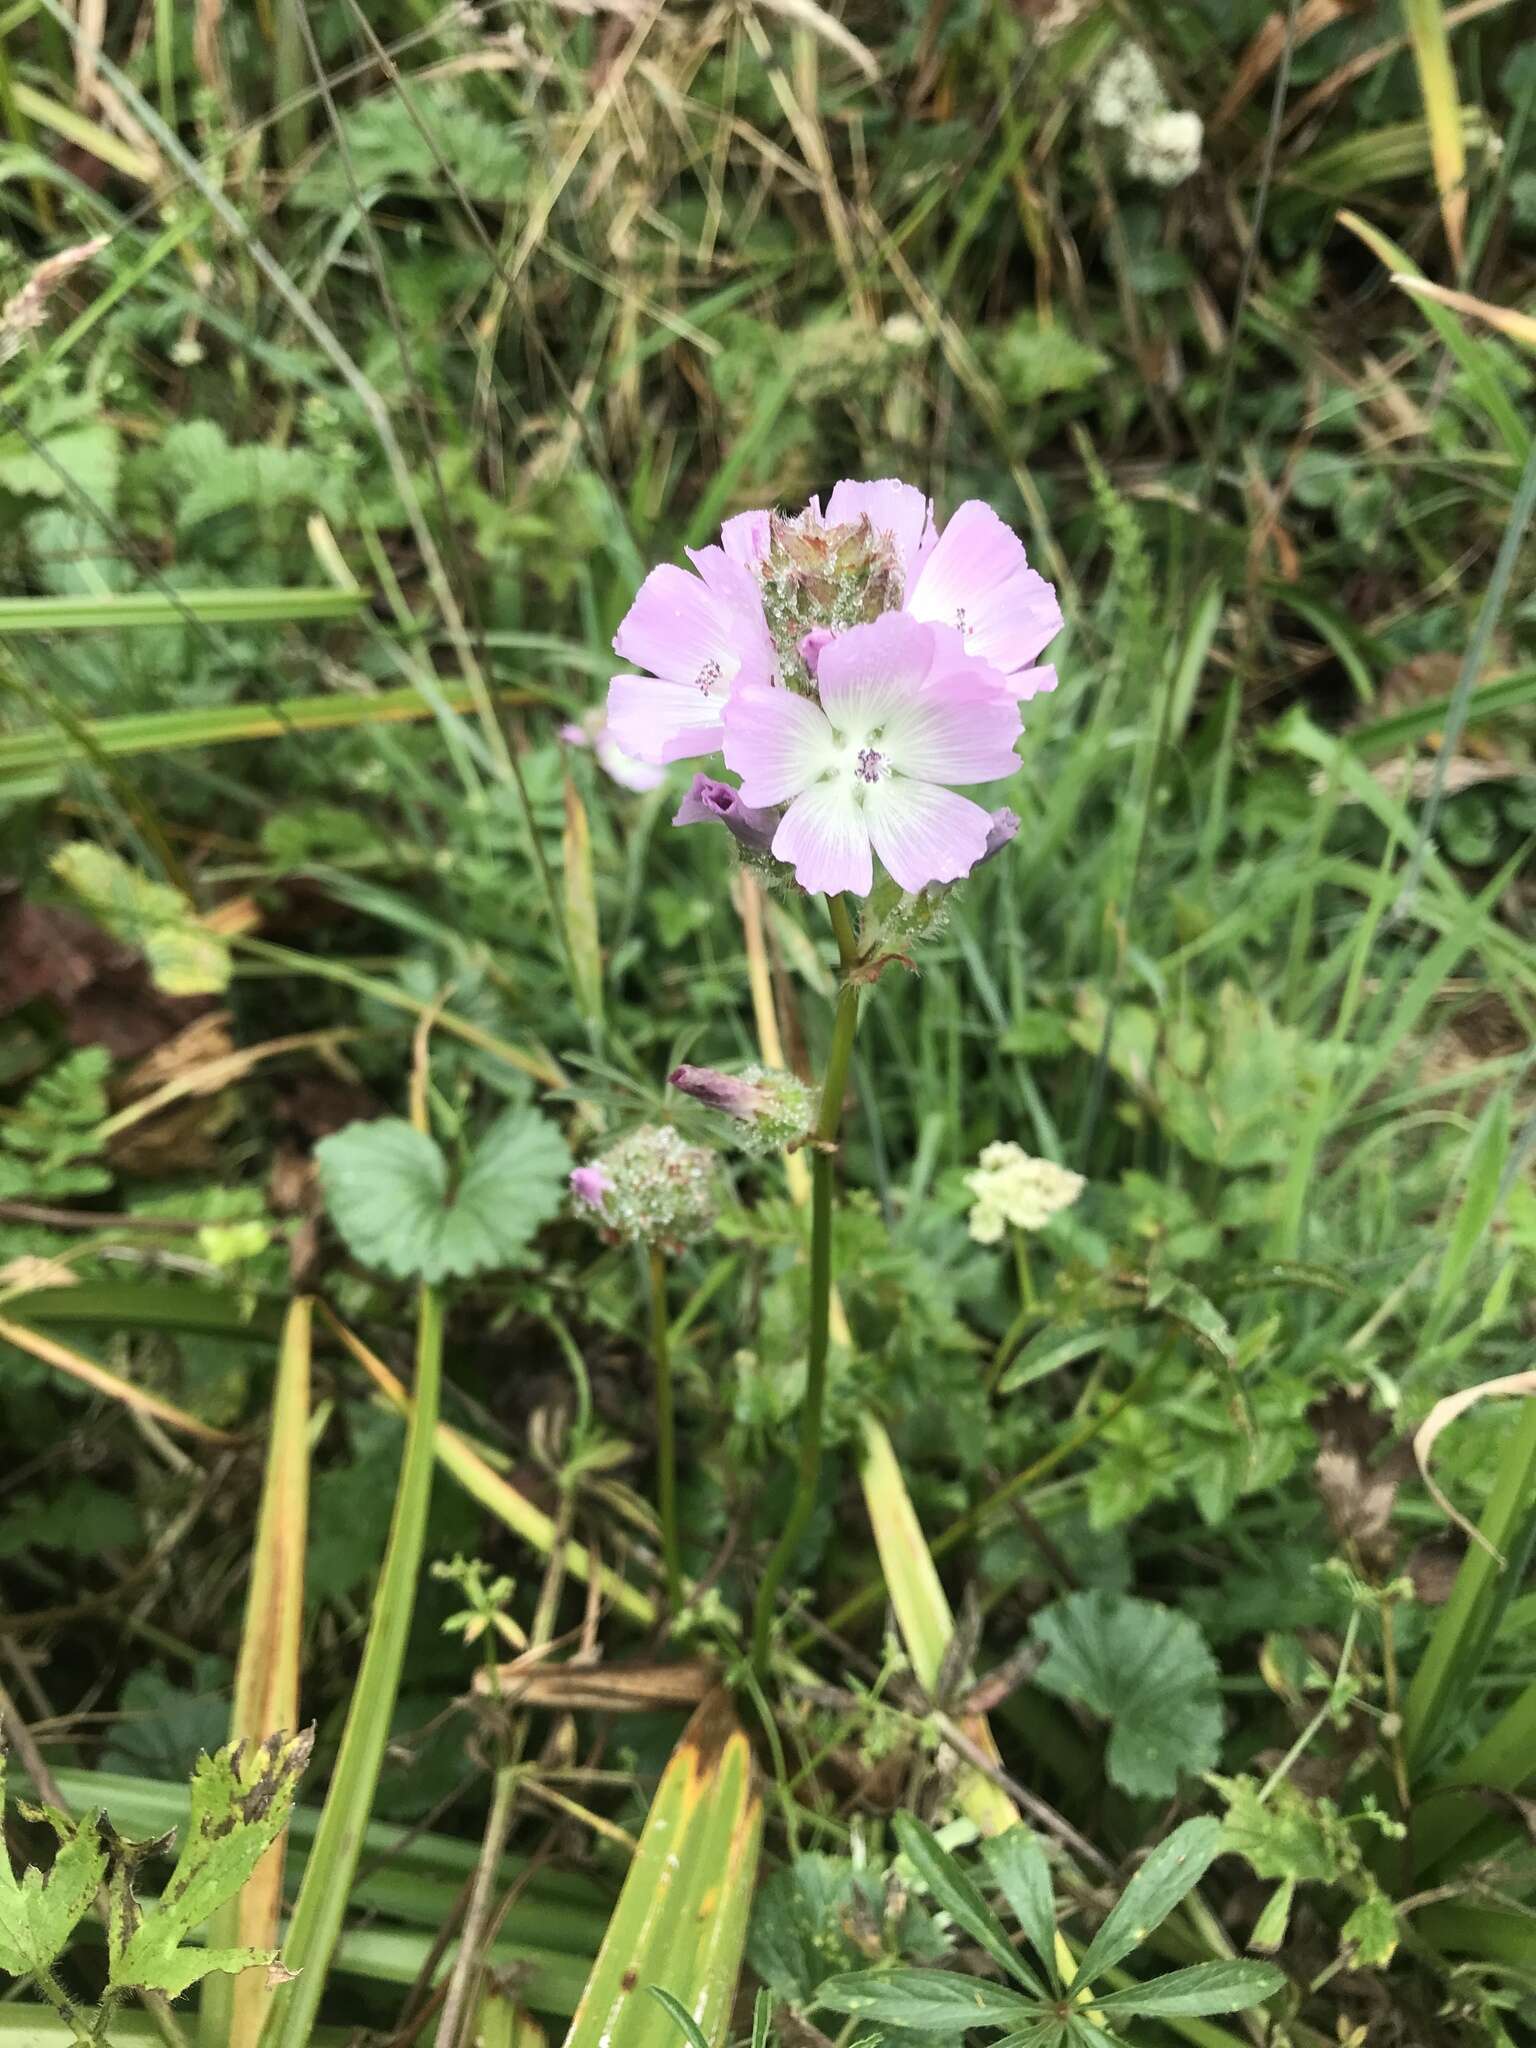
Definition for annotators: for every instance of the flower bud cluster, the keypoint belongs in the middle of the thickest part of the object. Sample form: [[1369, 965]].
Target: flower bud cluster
[[828, 577], [652, 1187]]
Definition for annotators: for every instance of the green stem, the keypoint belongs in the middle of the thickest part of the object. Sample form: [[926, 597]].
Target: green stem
[[666, 1433], [834, 1086]]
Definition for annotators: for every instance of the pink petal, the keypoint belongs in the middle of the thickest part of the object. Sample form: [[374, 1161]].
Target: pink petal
[[679, 629], [777, 742], [745, 537], [924, 834], [1033, 682], [868, 673], [660, 721], [823, 837], [626, 769], [978, 578], [956, 727], [740, 595], [892, 507]]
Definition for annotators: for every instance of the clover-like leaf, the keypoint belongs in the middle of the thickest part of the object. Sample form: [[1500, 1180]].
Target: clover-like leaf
[[241, 1799], [1148, 1671], [390, 1194]]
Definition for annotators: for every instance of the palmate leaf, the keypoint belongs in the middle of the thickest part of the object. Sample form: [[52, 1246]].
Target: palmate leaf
[[1173, 1870], [954, 1891], [1148, 1671], [241, 1799], [926, 2001], [1203, 1988], [1023, 1876], [387, 1187], [39, 1912]]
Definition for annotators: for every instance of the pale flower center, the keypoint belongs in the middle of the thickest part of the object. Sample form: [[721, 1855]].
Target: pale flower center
[[717, 670], [870, 766]]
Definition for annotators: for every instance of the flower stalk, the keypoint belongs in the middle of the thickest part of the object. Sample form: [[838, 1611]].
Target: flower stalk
[[845, 1024]]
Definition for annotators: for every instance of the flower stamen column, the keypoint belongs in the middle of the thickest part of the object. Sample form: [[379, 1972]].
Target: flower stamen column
[[845, 1023]]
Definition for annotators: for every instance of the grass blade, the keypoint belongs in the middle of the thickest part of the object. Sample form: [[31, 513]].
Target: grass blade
[[1454, 1654], [317, 1916], [140, 608], [1425, 20], [681, 1920], [50, 1352], [232, 2009], [923, 1613]]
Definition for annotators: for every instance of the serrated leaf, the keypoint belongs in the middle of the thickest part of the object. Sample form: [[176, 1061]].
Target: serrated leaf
[[184, 957], [241, 1798], [387, 1187], [1287, 1835], [1023, 1876], [954, 1891], [39, 1913], [1172, 1870], [1148, 1672], [1201, 1989], [927, 2001]]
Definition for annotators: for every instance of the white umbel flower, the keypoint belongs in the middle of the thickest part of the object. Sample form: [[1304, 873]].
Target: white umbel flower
[[1165, 148], [1012, 1188], [1128, 89]]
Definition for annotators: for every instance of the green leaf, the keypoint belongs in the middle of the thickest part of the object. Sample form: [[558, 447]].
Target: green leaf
[[1372, 1932], [1173, 1869], [1146, 1670], [241, 1798], [185, 958], [1287, 1835], [1023, 1876], [1203, 1988], [954, 1891], [39, 1913], [686, 2024], [927, 2001], [387, 1188]]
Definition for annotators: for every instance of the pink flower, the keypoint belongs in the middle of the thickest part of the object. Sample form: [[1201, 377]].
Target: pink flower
[[975, 577], [901, 710], [591, 1186], [697, 636], [624, 769]]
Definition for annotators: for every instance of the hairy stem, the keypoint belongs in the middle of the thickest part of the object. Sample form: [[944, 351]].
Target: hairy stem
[[834, 1087]]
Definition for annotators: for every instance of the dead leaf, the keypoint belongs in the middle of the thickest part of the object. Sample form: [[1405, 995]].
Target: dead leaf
[[100, 986], [1358, 1490], [1441, 1416], [599, 1688]]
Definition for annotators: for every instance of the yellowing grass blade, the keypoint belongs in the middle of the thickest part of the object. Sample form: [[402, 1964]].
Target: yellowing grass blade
[[79, 1367], [681, 1919], [923, 1614], [482, 1482], [267, 1678], [581, 927], [1518, 326], [1425, 21]]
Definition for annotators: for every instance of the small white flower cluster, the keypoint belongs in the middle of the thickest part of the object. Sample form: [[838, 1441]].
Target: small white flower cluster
[[1162, 142], [1011, 1187]]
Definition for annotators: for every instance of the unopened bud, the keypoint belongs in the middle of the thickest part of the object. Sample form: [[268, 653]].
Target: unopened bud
[[712, 802], [773, 1108]]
